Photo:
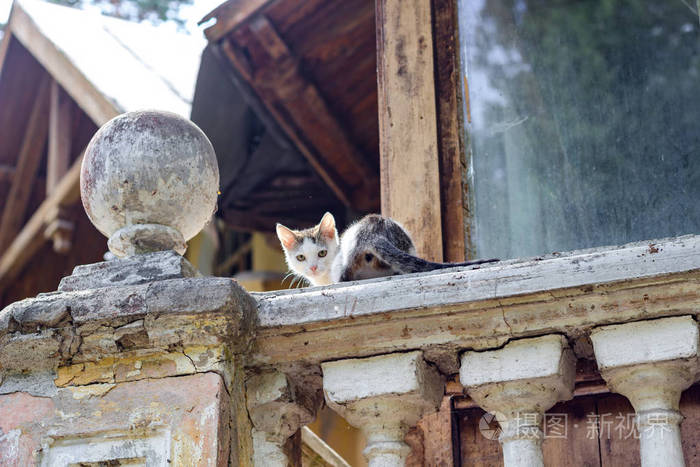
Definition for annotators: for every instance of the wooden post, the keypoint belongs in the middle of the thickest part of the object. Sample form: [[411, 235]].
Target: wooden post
[[408, 125], [456, 238], [58, 158]]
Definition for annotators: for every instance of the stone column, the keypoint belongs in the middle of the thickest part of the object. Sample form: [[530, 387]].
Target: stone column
[[278, 406], [383, 396], [651, 363], [517, 384]]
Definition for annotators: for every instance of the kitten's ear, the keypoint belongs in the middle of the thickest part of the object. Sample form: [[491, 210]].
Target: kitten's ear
[[327, 226], [286, 236]]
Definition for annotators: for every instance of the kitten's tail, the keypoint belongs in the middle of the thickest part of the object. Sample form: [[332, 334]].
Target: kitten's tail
[[407, 263]]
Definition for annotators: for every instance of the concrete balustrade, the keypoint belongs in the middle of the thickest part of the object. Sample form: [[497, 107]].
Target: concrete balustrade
[[651, 363], [383, 396], [517, 384]]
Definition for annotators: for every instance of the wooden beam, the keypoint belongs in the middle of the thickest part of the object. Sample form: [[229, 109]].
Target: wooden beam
[[27, 166], [265, 61], [95, 104], [31, 238], [230, 15], [454, 205], [408, 146], [60, 125]]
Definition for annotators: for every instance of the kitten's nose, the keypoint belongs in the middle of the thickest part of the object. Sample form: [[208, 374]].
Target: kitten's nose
[[313, 268]]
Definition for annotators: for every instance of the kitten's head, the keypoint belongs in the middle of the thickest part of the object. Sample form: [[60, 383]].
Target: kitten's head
[[310, 252]]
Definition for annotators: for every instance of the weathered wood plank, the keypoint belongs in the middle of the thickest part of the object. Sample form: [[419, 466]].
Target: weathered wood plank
[[451, 151], [27, 166], [60, 126], [568, 440], [408, 140], [481, 308], [618, 442], [690, 428], [478, 432]]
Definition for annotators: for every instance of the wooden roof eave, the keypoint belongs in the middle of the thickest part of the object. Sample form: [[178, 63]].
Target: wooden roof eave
[[296, 104], [95, 104]]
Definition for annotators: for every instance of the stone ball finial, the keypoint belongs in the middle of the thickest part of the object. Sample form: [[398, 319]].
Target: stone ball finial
[[149, 182]]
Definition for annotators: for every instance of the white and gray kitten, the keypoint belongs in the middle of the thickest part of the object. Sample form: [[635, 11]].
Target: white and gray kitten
[[310, 252], [374, 246]]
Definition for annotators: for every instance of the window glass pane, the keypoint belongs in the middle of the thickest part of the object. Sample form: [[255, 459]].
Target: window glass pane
[[583, 120]]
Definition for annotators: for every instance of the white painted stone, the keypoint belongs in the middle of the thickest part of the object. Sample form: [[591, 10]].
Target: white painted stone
[[383, 396], [645, 341], [400, 373], [517, 384], [520, 359], [267, 453], [651, 363], [149, 182]]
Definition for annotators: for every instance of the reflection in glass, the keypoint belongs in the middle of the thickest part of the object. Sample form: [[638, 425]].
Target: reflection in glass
[[583, 122]]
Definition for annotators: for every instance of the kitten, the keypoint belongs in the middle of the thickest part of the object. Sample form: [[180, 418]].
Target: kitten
[[376, 246], [310, 253]]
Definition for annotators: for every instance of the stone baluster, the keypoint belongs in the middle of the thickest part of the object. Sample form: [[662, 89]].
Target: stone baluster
[[278, 406], [651, 363], [517, 384], [383, 396]]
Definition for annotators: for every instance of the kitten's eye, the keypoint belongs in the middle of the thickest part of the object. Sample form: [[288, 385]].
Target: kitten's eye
[[322, 253], [301, 257]]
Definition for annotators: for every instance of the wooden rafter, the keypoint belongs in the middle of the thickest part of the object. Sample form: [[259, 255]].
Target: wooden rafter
[[27, 165], [265, 61]]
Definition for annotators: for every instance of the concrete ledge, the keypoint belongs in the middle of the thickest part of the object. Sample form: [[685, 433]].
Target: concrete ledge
[[444, 312]]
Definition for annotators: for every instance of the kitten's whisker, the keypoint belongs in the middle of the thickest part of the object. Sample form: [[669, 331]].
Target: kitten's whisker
[[289, 274]]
